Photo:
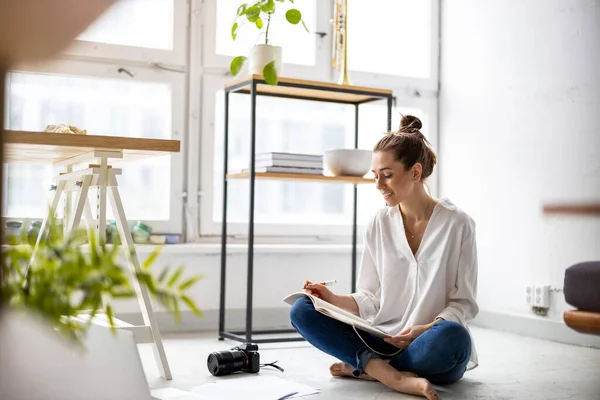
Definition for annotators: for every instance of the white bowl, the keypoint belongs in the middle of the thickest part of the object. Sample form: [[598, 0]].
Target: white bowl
[[347, 162]]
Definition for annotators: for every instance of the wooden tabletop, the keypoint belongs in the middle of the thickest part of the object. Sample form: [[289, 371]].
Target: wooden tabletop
[[44, 147], [309, 90]]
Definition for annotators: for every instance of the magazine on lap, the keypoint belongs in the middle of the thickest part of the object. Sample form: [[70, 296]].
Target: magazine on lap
[[337, 313]]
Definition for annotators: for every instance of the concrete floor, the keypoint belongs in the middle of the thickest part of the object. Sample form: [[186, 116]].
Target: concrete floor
[[511, 367]]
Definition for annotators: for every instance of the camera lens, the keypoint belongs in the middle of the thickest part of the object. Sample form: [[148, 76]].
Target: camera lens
[[226, 362]]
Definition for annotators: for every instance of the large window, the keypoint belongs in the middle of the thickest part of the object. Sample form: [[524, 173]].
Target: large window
[[126, 75], [109, 93], [391, 44]]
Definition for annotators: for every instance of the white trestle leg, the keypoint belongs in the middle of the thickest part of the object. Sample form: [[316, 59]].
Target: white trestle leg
[[103, 177], [142, 292]]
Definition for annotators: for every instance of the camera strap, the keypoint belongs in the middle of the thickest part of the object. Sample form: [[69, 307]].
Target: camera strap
[[272, 365]]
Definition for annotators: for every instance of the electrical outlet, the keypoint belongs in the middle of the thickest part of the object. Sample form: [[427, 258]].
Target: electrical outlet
[[529, 294], [541, 297]]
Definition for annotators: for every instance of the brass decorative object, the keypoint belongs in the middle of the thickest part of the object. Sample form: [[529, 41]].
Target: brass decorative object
[[340, 41]]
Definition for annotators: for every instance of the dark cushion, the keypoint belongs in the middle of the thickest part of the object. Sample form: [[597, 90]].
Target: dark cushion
[[582, 286]]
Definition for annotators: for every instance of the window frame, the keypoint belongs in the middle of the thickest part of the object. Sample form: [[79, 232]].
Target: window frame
[[100, 70], [170, 58], [211, 84]]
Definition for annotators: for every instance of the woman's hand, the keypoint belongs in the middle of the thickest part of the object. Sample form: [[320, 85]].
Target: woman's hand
[[407, 336], [319, 290]]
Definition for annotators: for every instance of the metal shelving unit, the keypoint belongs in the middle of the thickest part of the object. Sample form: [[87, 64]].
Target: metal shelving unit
[[255, 85]]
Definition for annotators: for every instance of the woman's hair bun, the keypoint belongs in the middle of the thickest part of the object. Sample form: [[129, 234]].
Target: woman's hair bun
[[410, 124]]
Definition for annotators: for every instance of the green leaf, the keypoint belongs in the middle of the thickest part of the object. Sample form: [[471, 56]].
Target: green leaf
[[111, 320], [175, 276], [163, 275], [268, 7], [188, 302], [292, 1], [252, 13], [293, 16], [305, 27], [236, 65], [242, 9], [234, 29], [176, 311], [259, 23], [270, 73], [185, 285], [151, 258]]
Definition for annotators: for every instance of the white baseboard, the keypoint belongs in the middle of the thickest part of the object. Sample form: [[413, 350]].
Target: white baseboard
[[534, 326], [263, 318], [278, 318]]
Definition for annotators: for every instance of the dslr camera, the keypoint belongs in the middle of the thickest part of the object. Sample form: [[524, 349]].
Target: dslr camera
[[243, 358]]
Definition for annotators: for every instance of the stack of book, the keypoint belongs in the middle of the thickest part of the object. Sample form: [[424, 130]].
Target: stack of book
[[292, 163]]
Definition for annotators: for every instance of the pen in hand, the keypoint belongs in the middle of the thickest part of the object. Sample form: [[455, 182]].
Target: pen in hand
[[326, 283]]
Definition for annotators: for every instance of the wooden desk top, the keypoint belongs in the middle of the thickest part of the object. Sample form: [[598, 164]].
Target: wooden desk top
[[309, 90], [44, 147]]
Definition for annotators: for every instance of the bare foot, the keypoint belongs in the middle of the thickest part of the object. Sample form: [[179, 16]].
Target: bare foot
[[343, 369], [404, 382], [407, 382]]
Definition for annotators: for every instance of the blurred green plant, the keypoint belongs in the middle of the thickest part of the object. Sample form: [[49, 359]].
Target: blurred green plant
[[256, 13], [67, 278]]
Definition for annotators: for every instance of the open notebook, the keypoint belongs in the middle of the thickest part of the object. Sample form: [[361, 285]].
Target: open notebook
[[337, 313]]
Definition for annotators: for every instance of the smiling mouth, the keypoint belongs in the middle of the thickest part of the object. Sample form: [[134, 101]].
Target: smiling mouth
[[386, 195]]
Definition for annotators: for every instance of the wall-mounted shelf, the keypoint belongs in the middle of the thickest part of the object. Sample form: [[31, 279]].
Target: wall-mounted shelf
[[573, 208], [302, 177]]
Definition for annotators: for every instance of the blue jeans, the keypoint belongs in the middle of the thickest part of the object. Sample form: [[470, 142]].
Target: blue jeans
[[440, 354]]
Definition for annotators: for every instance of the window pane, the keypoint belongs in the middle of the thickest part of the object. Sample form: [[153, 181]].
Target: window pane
[[140, 23], [299, 46], [283, 125], [104, 107], [396, 42]]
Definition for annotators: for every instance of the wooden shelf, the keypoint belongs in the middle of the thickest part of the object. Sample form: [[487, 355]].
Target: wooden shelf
[[45, 147], [303, 177], [309, 90], [573, 209]]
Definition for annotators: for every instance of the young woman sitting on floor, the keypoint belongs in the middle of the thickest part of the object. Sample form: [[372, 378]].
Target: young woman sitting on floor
[[417, 281]]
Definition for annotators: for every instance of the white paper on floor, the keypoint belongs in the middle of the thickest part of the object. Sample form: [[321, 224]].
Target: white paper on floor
[[253, 387], [173, 394]]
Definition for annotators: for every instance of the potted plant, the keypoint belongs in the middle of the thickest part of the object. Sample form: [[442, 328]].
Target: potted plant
[[66, 279], [265, 58]]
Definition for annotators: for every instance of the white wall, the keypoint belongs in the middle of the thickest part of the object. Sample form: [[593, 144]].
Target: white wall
[[519, 127]]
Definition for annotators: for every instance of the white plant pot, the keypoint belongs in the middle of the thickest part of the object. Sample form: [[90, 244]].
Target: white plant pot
[[261, 55]]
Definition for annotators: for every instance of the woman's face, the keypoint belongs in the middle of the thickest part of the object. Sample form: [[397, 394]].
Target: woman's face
[[391, 178]]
